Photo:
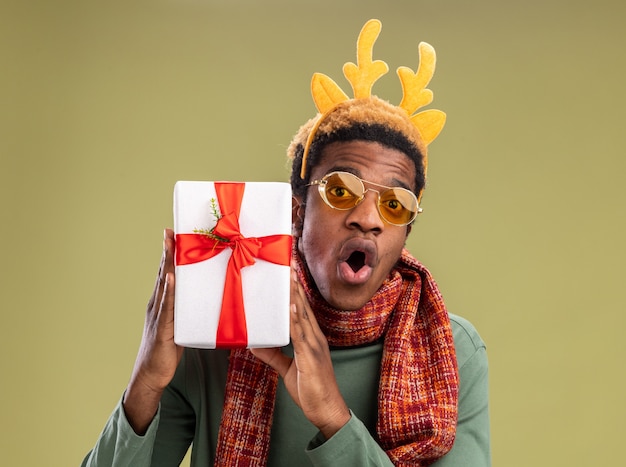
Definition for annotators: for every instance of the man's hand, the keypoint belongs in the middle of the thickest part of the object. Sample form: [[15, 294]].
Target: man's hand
[[158, 355], [309, 377]]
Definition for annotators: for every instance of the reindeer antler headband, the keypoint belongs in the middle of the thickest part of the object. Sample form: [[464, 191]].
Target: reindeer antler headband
[[328, 96]]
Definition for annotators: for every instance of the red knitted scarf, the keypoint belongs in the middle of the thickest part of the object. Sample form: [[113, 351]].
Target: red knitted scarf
[[418, 390]]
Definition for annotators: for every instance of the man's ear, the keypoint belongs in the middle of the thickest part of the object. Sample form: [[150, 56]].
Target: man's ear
[[297, 216]]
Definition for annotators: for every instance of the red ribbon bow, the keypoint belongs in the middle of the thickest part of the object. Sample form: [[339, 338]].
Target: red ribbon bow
[[193, 248]]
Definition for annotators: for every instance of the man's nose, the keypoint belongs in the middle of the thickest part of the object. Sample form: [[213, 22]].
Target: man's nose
[[365, 216]]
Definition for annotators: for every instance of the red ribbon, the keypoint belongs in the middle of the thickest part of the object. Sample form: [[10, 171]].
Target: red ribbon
[[193, 248]]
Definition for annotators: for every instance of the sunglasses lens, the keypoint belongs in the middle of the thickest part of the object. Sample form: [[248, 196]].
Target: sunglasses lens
[[343, 190], [398, 206]]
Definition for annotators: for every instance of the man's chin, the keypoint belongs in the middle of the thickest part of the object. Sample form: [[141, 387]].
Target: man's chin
[[349, 298]]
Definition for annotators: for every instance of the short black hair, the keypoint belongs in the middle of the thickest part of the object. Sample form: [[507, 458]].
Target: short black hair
[[356, 132]]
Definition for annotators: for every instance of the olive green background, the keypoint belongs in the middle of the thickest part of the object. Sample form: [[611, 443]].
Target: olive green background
[[105, 104]]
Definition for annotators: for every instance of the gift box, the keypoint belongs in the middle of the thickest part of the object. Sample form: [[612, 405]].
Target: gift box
[[232, 264]]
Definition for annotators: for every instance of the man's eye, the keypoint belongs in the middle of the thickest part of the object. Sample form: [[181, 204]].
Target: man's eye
[[393, 204], [338, 191]]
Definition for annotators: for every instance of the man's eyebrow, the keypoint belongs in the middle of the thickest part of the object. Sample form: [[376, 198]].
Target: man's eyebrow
[[401, 184], [341, 168]]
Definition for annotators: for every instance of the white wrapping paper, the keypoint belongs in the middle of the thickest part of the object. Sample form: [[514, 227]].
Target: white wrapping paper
[[265, 210]]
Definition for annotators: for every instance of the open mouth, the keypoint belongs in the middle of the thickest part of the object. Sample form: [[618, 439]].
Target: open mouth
[[356, 260]]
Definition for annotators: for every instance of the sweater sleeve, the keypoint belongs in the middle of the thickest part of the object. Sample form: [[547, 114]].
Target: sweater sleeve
[[351, 446], [165, 442], [471, 446], [118, 444]]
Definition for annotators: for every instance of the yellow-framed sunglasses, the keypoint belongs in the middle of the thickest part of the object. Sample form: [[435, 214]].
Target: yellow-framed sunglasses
[[344, 191]]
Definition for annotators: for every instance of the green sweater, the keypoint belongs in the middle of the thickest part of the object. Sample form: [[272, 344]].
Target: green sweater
[[190, 412]]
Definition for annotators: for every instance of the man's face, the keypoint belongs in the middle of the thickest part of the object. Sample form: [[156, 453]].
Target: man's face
[[350, 253]]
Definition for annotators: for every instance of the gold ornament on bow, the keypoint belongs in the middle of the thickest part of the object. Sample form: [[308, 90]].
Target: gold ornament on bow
[[327, 94]]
